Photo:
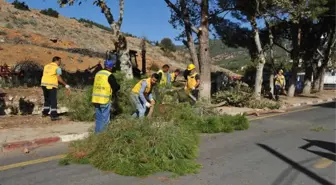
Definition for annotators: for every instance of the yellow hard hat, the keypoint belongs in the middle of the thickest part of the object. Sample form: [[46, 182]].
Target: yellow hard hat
[[281, 71], [191, 67]]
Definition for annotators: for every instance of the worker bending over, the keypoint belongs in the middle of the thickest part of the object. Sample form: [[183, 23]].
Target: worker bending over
[[51, 76], [142, 95], [280, 83], [105, 85], [164, 76], [174, 75], [193, 82]]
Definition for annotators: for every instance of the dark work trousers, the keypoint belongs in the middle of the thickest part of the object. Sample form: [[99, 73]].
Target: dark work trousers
[[277, 92], [50, 102]]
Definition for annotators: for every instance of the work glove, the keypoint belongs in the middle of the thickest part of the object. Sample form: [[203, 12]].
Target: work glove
[[148, 105], [67, 86], [193, 88]]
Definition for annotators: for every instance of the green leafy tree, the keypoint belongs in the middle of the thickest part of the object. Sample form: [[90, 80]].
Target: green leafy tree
[[167, 44]]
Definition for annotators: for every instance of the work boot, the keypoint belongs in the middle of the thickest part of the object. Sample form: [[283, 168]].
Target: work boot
[[55, 118]]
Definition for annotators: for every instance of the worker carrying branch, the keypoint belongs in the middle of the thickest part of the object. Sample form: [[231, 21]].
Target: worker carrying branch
[[51, 76], [193, 82], [105, 85], [142, 95]]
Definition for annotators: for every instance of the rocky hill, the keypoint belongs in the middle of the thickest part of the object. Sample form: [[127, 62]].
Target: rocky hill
[[31, 35]]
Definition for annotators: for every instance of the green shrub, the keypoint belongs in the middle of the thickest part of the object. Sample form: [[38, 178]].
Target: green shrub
[[167, 44], [20, 5], [168, 142], [91, 23], [50, 12], [9, 26], [137, 148], [79, 104]]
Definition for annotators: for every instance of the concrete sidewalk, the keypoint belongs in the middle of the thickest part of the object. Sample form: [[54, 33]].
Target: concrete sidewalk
[[14, 138]]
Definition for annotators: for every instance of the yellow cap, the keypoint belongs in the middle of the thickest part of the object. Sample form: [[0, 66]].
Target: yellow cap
[[281, 71], [191, 67]]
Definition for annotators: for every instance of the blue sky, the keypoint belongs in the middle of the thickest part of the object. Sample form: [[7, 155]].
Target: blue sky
[[142, 17]]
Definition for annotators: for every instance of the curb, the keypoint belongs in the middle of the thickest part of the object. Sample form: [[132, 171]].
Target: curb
[[287, 107], [42, 141], [310, 103]]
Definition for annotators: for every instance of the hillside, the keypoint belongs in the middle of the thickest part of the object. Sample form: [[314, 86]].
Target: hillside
[[32, 35], [236, 59]]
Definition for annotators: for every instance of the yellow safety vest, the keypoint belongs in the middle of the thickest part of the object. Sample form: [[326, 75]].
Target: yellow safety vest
[[164, 77], [49, 78], [137, 87], [172, 77], [191, 82], [280, 80], [102, 90]]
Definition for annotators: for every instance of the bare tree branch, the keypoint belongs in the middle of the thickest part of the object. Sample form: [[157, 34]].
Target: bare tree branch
[[106, 11], [121, 12], [181, 15], [320, 53]]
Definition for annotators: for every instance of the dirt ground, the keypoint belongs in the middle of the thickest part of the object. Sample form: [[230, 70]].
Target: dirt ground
[[31, 121]]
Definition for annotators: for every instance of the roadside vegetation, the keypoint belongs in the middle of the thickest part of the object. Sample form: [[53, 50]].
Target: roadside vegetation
[[166, 142]]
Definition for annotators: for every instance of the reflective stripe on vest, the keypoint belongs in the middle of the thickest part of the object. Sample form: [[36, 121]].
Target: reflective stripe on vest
[[49, 78], [137, 87], [102, 90], [164, 77]]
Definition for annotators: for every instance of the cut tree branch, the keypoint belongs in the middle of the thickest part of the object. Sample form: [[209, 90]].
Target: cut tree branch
[[181, 15]]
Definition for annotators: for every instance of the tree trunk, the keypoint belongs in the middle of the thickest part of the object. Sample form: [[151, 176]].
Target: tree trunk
[[192, 50], [308, 83], [296, 39], [261, 60], [119, 41], [143, 56], [205, 66], [321, 85], [272, 60], [190, 38], [327, 55]]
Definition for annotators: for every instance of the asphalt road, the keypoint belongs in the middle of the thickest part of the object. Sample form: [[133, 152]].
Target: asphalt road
[[289, 149]]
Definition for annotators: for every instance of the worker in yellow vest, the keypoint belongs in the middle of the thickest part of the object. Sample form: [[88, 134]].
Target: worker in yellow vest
[[193, 82], [142, 95], [51, 76], [164, 76], [174, 75], [280, 84], [105, 85]]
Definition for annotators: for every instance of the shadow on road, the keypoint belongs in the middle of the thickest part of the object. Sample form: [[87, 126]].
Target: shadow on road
[[329, 146], [327, 105], [295, 166]]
